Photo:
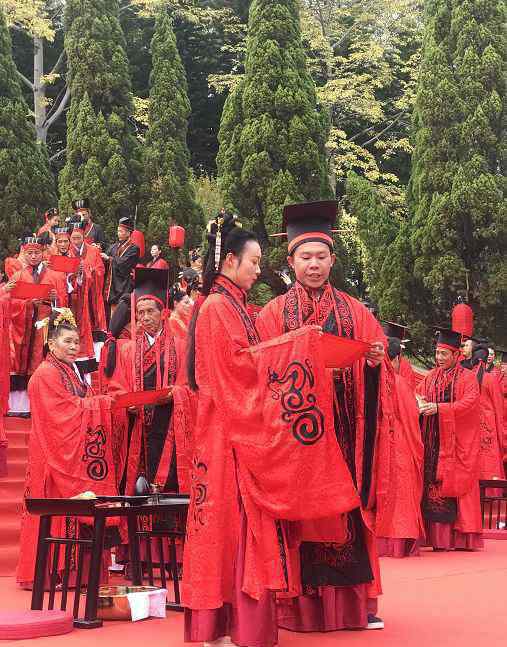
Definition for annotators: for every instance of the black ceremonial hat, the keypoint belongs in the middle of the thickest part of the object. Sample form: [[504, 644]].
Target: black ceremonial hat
[[448, 338], [151, 284], [81, 203], [391, 329], [309, 222]]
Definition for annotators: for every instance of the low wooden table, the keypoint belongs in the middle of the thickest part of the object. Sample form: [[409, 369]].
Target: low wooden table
[[99, 510]]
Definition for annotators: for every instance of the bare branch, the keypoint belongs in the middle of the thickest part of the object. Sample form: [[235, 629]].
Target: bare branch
[[59, 110], [385, 130], [56, 66], [58, 154], [26, 81]]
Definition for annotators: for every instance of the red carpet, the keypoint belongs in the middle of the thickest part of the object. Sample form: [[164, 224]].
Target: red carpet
[[436, 600], [11, 492]]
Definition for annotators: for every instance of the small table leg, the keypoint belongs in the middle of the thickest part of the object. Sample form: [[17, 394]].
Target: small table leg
[[41, 562], [90, 620], [135, 557]]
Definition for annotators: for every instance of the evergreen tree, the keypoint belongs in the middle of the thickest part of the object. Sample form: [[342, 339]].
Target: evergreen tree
[[273, 133], [458, 209], [170, 196], [98, 76], [26, 184], [95, 164]]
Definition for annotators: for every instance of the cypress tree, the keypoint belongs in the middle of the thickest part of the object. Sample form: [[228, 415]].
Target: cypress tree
[[26, 183], [458, 209], [169, 194], [98, 75], [95, 164], [273, 132]]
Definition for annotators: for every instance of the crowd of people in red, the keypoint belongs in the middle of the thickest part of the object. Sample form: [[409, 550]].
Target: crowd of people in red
[[303, 464]]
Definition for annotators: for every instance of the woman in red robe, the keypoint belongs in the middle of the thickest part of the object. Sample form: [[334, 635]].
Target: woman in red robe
[[401, 526], [71, 441], [342, 582], [252, 469], [449, 405]]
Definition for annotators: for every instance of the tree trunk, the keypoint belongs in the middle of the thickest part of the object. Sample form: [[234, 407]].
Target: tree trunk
[[39, 89]]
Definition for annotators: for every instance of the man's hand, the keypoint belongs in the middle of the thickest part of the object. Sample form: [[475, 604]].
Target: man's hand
[[428, 409], [375, 355], [165, 399], [104, 256]]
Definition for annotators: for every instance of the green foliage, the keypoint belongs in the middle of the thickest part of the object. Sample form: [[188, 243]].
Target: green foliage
[[273, 132], [95, 165], [26, 185], [457, 184], [99, 80], [169, 192]]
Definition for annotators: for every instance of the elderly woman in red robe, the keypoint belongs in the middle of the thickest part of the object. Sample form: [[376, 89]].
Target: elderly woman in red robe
[[71, 440], [341, 581], [449, 406]]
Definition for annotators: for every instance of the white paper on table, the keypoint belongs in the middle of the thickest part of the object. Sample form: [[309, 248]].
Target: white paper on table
[[144, 604]]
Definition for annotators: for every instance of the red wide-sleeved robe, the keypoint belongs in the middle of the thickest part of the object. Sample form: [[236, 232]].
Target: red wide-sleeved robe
[[400, 526], [332, 575], [162, 433], [27, 341], [451, 501], [262, 434], [492, 428], [407, 372], [71, 449], [5, 322]]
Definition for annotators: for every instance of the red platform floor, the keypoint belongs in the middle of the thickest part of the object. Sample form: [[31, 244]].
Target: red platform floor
[[436, 600]]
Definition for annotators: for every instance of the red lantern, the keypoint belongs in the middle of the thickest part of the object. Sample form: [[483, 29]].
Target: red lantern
[[176, 237], [137, 237], [462, 319]]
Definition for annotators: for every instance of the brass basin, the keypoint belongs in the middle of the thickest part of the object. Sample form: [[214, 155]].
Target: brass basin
[[113, 603]]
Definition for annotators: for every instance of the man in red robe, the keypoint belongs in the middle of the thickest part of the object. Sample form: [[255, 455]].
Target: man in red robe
[[86, 299], [341, 582], [503, 387], [491, 416], [401, 526], [259, 474], [158, 435], [27, 339], [402, 366], [5, 322], [450, 423]]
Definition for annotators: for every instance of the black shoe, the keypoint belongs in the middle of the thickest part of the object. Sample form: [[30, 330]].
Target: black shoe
[[374, 622]]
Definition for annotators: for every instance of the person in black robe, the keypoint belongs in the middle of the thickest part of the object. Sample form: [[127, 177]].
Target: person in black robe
[[94, 234], [122, 258]]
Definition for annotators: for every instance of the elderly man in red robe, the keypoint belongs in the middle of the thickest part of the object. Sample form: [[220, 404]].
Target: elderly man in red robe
[[159, 434], [27, 338], [341, 582], [401, 526], [449, 406]]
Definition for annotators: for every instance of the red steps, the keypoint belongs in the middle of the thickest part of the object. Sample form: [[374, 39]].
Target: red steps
[[12, 488]]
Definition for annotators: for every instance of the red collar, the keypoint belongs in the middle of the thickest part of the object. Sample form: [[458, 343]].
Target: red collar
[[238, 293]]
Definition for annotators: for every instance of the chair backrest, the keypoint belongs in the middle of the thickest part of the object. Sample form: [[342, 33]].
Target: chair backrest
[[494, 504]]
